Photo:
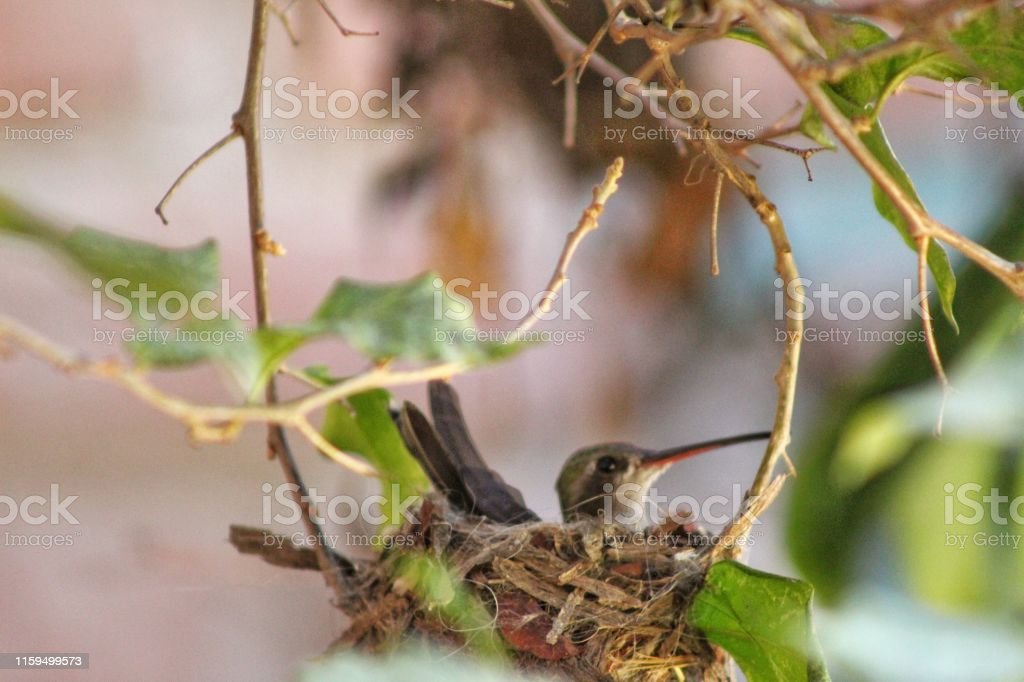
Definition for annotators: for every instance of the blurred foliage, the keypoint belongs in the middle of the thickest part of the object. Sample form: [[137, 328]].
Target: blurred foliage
[[880, 498], [439, 589], [882, 635], [416, 320], [763, 620], [412, 663], [362, 424]]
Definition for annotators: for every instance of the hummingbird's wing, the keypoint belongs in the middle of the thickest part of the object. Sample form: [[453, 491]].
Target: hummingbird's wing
[[489, 494], [423, 443]]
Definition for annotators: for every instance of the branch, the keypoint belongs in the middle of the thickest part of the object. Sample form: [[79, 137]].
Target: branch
[[216, 147], [565, 42], [587, 223], [275, 549], [247, 122]]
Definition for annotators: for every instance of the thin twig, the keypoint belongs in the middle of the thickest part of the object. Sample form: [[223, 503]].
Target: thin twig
[[216, 147], [571, 105], [211, 420], [714, 224], [282, 16], [344, 31], [247, 122], [804, 154], [587, 223]]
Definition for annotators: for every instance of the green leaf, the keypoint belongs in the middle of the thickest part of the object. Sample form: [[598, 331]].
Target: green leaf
[[860, 97], [813, 127], [438, 588], [363, 425], [993, 42], [416, 321], [170, 295], [762, 620]]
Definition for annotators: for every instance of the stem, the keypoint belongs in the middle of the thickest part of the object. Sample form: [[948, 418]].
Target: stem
[[247, 123]]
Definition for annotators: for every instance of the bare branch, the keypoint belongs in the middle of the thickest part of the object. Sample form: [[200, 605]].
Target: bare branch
[[717, 202], [344, 31], [587, 223], [216, 147]]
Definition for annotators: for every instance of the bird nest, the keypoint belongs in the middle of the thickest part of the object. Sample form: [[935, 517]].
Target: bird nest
[[585, 600]]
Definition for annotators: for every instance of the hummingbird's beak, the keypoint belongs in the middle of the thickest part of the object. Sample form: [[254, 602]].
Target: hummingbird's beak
[[661, 458]]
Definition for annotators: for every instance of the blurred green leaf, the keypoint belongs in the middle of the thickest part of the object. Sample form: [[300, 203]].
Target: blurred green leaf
[[762, 620], [410, 664], [363, 425], [882, 635], [438, 589], [939, 558], [874, 465], [415, 321], [993, 42]]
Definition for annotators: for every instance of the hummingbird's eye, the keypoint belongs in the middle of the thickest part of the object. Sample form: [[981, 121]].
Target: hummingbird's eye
[[607, 464]]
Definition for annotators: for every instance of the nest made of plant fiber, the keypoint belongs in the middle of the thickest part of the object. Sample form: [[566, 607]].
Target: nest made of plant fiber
[[584, 600]]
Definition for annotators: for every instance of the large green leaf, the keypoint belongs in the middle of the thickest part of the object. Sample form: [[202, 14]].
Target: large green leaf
[[363, 425], [763, 620], [172, 296], [993, 42]]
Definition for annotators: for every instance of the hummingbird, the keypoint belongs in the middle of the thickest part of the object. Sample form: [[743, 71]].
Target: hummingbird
[[608, 480], [611, 480]]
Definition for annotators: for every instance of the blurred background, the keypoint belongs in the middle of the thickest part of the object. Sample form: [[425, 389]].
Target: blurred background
[[483, 190]]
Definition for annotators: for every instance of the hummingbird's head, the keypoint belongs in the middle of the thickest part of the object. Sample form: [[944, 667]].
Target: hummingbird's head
[[590, 477], [590, 473]]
